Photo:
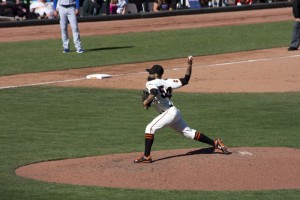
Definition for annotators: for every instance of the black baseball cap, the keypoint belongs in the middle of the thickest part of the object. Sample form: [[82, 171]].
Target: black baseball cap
[[156, 69]]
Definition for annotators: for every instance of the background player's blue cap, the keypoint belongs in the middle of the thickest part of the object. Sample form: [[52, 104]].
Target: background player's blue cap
[[156, 69]]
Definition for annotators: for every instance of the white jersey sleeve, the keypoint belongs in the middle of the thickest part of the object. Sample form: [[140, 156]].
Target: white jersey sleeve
[[174, 83]]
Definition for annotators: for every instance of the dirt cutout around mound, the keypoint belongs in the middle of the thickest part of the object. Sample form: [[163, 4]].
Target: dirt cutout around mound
[[270, 70], [189, 169]]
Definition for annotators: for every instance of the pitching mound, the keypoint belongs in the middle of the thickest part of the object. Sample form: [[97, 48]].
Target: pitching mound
[[188, 169]]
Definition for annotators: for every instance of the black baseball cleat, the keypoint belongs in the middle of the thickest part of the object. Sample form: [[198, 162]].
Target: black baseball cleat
[[220, 145], [66, 50], [143, 159], [292, 49]]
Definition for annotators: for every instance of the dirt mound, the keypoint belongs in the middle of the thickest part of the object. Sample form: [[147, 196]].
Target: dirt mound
[[187, 169]]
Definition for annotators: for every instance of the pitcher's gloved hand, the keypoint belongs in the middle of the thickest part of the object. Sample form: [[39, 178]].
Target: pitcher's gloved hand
[[145, 95]]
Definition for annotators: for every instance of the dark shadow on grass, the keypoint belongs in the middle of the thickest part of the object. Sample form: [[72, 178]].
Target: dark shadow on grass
[[209, 150], [107, 48]]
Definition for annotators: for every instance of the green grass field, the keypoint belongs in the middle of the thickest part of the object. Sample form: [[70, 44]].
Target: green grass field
[[47, 123], [36, 56]]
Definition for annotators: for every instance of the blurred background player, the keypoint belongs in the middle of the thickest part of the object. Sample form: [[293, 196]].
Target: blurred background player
[[296, 29], [68, 9]]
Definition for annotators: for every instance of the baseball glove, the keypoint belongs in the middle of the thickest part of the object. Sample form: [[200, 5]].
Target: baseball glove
[[145, 95]]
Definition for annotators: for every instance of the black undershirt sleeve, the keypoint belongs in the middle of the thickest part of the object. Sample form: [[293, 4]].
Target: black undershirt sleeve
[[154, 91], [185, 80]]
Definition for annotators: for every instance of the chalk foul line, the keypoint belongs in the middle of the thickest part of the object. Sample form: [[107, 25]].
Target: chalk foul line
[[41, 83]]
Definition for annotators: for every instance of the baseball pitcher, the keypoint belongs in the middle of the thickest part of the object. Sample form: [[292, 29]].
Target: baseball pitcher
[[158, 94]]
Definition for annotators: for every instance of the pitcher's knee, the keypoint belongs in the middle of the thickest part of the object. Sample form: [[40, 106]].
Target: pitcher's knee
[[150, 129]]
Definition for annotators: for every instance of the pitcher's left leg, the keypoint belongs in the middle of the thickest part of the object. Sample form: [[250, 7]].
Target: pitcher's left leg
[[157, 123]]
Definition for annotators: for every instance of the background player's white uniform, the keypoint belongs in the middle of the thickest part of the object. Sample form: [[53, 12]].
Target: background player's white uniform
[[169, 114], [67, 14]]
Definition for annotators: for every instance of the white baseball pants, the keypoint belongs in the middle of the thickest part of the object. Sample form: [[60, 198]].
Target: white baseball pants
[[172, 118], [68, 14]]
